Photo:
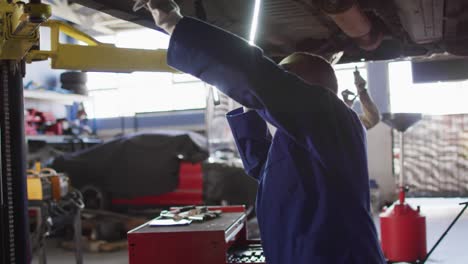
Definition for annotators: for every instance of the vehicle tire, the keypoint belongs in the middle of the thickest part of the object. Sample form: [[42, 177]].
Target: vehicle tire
[[73, 77], [95, 198]]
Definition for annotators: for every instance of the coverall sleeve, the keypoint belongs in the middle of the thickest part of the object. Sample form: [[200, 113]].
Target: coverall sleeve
[[310, 115], [252, 138]]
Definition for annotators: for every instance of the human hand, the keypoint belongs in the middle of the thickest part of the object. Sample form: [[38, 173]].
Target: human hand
[[166, 13], [359, 81], [348, 97]]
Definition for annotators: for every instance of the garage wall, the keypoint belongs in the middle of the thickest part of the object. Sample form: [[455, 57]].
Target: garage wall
[[436, 156]]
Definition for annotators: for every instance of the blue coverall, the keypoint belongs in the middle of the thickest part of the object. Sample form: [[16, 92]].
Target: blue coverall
[[313, 195]]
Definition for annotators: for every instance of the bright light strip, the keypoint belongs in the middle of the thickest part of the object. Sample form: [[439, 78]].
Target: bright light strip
[[216, 99], [254, 25]]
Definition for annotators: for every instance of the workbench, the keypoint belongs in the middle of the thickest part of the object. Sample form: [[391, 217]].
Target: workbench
[[217, 241]]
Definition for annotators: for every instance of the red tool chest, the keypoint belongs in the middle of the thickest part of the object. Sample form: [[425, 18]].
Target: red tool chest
[[218, 241]]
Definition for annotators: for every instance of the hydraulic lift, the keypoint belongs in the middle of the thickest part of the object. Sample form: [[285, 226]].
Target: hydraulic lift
[[19, 44], [19, 25]]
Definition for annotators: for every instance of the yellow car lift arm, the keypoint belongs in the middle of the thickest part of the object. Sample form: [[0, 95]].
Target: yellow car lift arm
[[19, 39], [96, 56]]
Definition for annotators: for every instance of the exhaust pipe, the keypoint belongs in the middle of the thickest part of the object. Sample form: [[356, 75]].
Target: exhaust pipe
[[350, 18]]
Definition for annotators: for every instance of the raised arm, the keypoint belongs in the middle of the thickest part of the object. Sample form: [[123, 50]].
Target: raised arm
[[371, 116], [313, 116]]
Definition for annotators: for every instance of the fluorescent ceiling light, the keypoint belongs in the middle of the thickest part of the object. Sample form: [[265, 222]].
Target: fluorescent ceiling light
[[254, 25]]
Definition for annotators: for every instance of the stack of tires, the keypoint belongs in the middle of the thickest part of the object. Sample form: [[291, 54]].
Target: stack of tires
[[74, 82]]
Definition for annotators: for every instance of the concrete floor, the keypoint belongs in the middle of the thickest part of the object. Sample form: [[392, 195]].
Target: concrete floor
[[439, 213]]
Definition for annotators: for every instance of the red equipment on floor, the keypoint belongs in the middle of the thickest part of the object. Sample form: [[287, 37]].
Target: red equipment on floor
[[403, 232], [403, 229], [189, 190], [217, 241]]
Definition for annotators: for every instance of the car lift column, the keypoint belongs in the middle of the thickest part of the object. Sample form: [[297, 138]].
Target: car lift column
[[14, 219]]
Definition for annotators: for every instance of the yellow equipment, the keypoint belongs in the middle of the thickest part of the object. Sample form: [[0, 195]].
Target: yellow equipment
[[39, 188], [59, 182], [46, 184], [19, 27], [96, 56], [20, 22]]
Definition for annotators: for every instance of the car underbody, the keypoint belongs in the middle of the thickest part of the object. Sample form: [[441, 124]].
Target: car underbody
[[332, 28]]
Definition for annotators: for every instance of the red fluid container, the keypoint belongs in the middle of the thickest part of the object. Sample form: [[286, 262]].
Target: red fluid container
[[403, 234]]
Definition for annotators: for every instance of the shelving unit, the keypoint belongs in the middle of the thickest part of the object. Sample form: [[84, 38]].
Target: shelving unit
[[55, 97], [41, 98], [52, 139]]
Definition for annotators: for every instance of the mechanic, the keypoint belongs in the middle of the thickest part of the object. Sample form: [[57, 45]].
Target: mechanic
[[313, 195], [371, 114]]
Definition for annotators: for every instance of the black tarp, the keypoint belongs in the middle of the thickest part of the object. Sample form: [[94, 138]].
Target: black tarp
[[134, 165], [222, 182]]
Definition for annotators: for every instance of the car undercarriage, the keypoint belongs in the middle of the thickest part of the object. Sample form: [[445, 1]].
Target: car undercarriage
[[346, 30]]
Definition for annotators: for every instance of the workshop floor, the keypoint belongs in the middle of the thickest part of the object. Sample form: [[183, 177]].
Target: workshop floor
[[439, 212], [57, 255]]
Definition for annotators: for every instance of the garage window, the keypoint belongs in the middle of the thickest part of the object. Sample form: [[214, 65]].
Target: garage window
[[345, 75], [121, 94], [435, 147], [427, 98]]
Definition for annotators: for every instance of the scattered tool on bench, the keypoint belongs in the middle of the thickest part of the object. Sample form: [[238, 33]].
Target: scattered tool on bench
[[185, 215]]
